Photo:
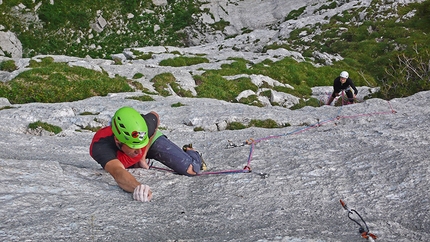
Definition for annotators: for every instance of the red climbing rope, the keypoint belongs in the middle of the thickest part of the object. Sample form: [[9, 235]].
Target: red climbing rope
[[252, 143]]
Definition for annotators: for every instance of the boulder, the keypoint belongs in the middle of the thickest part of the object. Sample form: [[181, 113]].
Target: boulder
[[10, 45], [159, 2], [4, 102], [283, 99]]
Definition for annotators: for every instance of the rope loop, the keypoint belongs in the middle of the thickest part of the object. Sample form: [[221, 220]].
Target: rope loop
[[253, 143]]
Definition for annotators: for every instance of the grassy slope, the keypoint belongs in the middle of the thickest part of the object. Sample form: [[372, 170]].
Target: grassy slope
[[371, 60]]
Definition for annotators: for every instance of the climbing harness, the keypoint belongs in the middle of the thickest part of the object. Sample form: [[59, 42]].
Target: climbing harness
[[340, 100], [364, 229]]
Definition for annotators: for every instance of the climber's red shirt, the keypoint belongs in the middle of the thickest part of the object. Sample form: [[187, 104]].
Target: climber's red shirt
[[103, 149]]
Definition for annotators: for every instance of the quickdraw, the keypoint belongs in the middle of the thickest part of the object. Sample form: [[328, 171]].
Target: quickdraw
[[363, 230], [233, 145]]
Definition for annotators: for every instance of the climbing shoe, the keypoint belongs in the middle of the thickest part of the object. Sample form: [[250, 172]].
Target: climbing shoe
[[204, 167], [186, 147]]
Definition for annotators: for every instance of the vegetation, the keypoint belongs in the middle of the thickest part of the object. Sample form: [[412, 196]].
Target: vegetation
[[48, 127], [8, 65], [142, 56], [300, 75], [138, 75], [66, 27], [394, 53], [88, 113], [51, 82], [313, 102], [378, 50], [220, 25], [267, 123], [89, 128], [213, 85], [294, 14], [5, 107], [143, 98], [197, 129], [162, 83], [176, 105], [183, 61]]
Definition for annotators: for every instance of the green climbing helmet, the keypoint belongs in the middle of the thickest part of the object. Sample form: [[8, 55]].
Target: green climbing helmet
[[130, 128]]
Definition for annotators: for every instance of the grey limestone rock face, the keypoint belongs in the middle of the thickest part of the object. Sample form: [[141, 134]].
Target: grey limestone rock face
[[373, 155]]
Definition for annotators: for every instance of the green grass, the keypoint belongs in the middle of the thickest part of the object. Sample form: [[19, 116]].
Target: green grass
[[266, 123], [251, 100], [301, 75], [164, 80], [220, 25], [313, 102], [89, 113], [5, 107], [183, 61], [377, 46], [197, 129], [51, 82], [143, 98], [8, 65], [215, 86], [295, 13], [176, 105], [161, 82], [61, 26], [374, 52], [48, 127], [138, 75], [89, 128]]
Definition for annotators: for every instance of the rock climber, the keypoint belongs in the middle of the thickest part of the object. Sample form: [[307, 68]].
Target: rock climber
[[343, 83], [132, 138]]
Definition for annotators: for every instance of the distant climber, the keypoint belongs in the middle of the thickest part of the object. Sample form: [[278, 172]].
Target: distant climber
[[343, 83]]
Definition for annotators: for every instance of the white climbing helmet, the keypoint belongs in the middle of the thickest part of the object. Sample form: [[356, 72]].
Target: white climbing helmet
[[344, 74]]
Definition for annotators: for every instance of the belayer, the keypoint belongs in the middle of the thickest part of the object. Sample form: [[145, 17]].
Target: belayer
[[343, 83], [132, 138]]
